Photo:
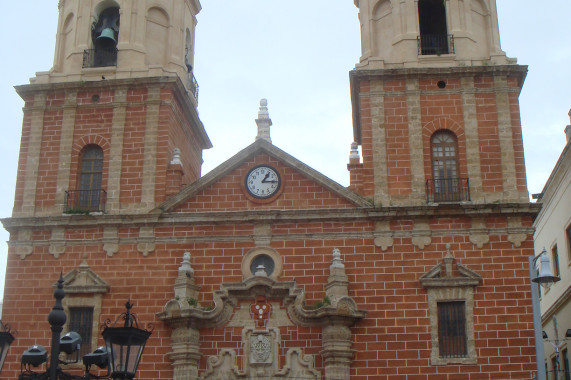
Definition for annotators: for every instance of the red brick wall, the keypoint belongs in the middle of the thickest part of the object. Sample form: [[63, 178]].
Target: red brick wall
[[366, 173], [397, 140], [23, 156], [490, 151], [393, 340], [228, 193]]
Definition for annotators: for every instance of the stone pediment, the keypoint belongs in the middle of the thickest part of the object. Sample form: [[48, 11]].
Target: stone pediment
[[265, 148], [84, 280], [450, 273]]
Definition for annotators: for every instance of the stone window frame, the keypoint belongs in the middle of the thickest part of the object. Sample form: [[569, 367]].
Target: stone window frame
[[84, 288], [444, 284], [252, 254]]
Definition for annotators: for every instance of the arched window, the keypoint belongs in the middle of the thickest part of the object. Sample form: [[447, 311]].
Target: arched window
[[433, 29], [444, 152], [105, 35], [91, 172]]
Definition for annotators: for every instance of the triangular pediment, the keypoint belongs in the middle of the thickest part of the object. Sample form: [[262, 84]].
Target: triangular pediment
[[84, 280], [450, 273], [231, 172]]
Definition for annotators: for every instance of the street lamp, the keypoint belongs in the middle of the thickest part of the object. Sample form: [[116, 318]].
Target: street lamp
[[546, 279], [6, 339], [131, 342], [125, 344]]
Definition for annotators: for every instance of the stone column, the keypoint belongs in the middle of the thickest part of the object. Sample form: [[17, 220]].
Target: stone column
[[186, 351], [337, 354]]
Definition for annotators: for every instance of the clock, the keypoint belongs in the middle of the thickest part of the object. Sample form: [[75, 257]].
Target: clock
[[263, 182]]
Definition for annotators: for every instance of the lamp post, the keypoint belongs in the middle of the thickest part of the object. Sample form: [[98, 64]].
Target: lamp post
[[546, 279], [6, 339], [132, 339]]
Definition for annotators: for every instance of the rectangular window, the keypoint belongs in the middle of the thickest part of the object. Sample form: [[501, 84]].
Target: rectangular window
[[452, 339], [566, 368], [555, 258], [81, 321]]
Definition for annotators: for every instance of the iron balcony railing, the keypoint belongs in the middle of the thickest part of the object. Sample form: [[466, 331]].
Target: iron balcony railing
[[85, 201], [99, 57], [193, 85], [447, 190], [435, 44]]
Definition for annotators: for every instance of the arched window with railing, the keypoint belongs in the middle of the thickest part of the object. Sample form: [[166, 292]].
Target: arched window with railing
[[446, 184], [89, 195]]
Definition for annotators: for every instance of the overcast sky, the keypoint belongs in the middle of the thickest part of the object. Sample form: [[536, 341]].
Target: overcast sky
[[297, 54]]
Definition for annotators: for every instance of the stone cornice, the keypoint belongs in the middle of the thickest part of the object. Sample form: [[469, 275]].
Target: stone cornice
[[258, 147], [276, 216], [173, 81], [358, 75]]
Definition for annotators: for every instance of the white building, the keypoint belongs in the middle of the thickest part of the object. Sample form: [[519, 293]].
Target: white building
[[553, 232]]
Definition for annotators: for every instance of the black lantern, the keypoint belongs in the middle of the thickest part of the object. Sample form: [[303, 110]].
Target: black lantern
[[125, 345], [6, 339]]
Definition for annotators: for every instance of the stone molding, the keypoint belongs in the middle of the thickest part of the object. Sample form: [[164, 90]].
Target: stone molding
[[335, 317], [451, 281]]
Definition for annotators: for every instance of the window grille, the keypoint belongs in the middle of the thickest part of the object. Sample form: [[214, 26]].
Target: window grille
[[452, 340], [81, 321]]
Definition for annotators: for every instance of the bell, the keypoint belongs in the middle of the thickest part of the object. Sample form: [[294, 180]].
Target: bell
[[107, 34]]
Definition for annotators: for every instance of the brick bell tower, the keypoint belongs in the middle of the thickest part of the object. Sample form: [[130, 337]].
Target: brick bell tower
[[113, 126], [435, 105]]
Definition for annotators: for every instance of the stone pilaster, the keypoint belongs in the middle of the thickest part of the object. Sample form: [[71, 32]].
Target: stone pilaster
[[472, 139], [65, 148], [510, 192], [379, 144], [418, 196], [33, 156], [150, 161], [116, 151]]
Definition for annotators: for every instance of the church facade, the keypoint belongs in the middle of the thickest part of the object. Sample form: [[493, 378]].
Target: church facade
[[265, 268]]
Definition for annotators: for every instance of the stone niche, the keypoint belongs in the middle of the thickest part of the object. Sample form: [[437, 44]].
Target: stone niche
[[261, 305]]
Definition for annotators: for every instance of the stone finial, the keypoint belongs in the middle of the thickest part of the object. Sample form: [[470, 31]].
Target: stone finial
[[184, 286], [354, 157], [261, 271], [337, 262], [185, 265], [176, 157], [264, 122]]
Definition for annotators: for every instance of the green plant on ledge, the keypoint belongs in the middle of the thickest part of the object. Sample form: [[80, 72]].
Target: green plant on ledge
[[319, 304], [193, 302]]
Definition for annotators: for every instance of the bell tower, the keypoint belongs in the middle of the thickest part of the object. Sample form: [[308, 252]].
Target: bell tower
[[435, 105], [113, 127]]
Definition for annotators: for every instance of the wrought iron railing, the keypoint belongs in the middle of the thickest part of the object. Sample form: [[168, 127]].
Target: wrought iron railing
[[100, 57], [85, 201], [193, 85], [447, 190], [435, 44]]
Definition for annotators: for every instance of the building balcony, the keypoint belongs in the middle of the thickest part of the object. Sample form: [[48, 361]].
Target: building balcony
[[99, 58], [447, 190], [435, 44], [193, 85], [85, 201]]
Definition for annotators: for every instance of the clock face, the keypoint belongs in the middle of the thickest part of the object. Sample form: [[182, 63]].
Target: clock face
[[263, 182]]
